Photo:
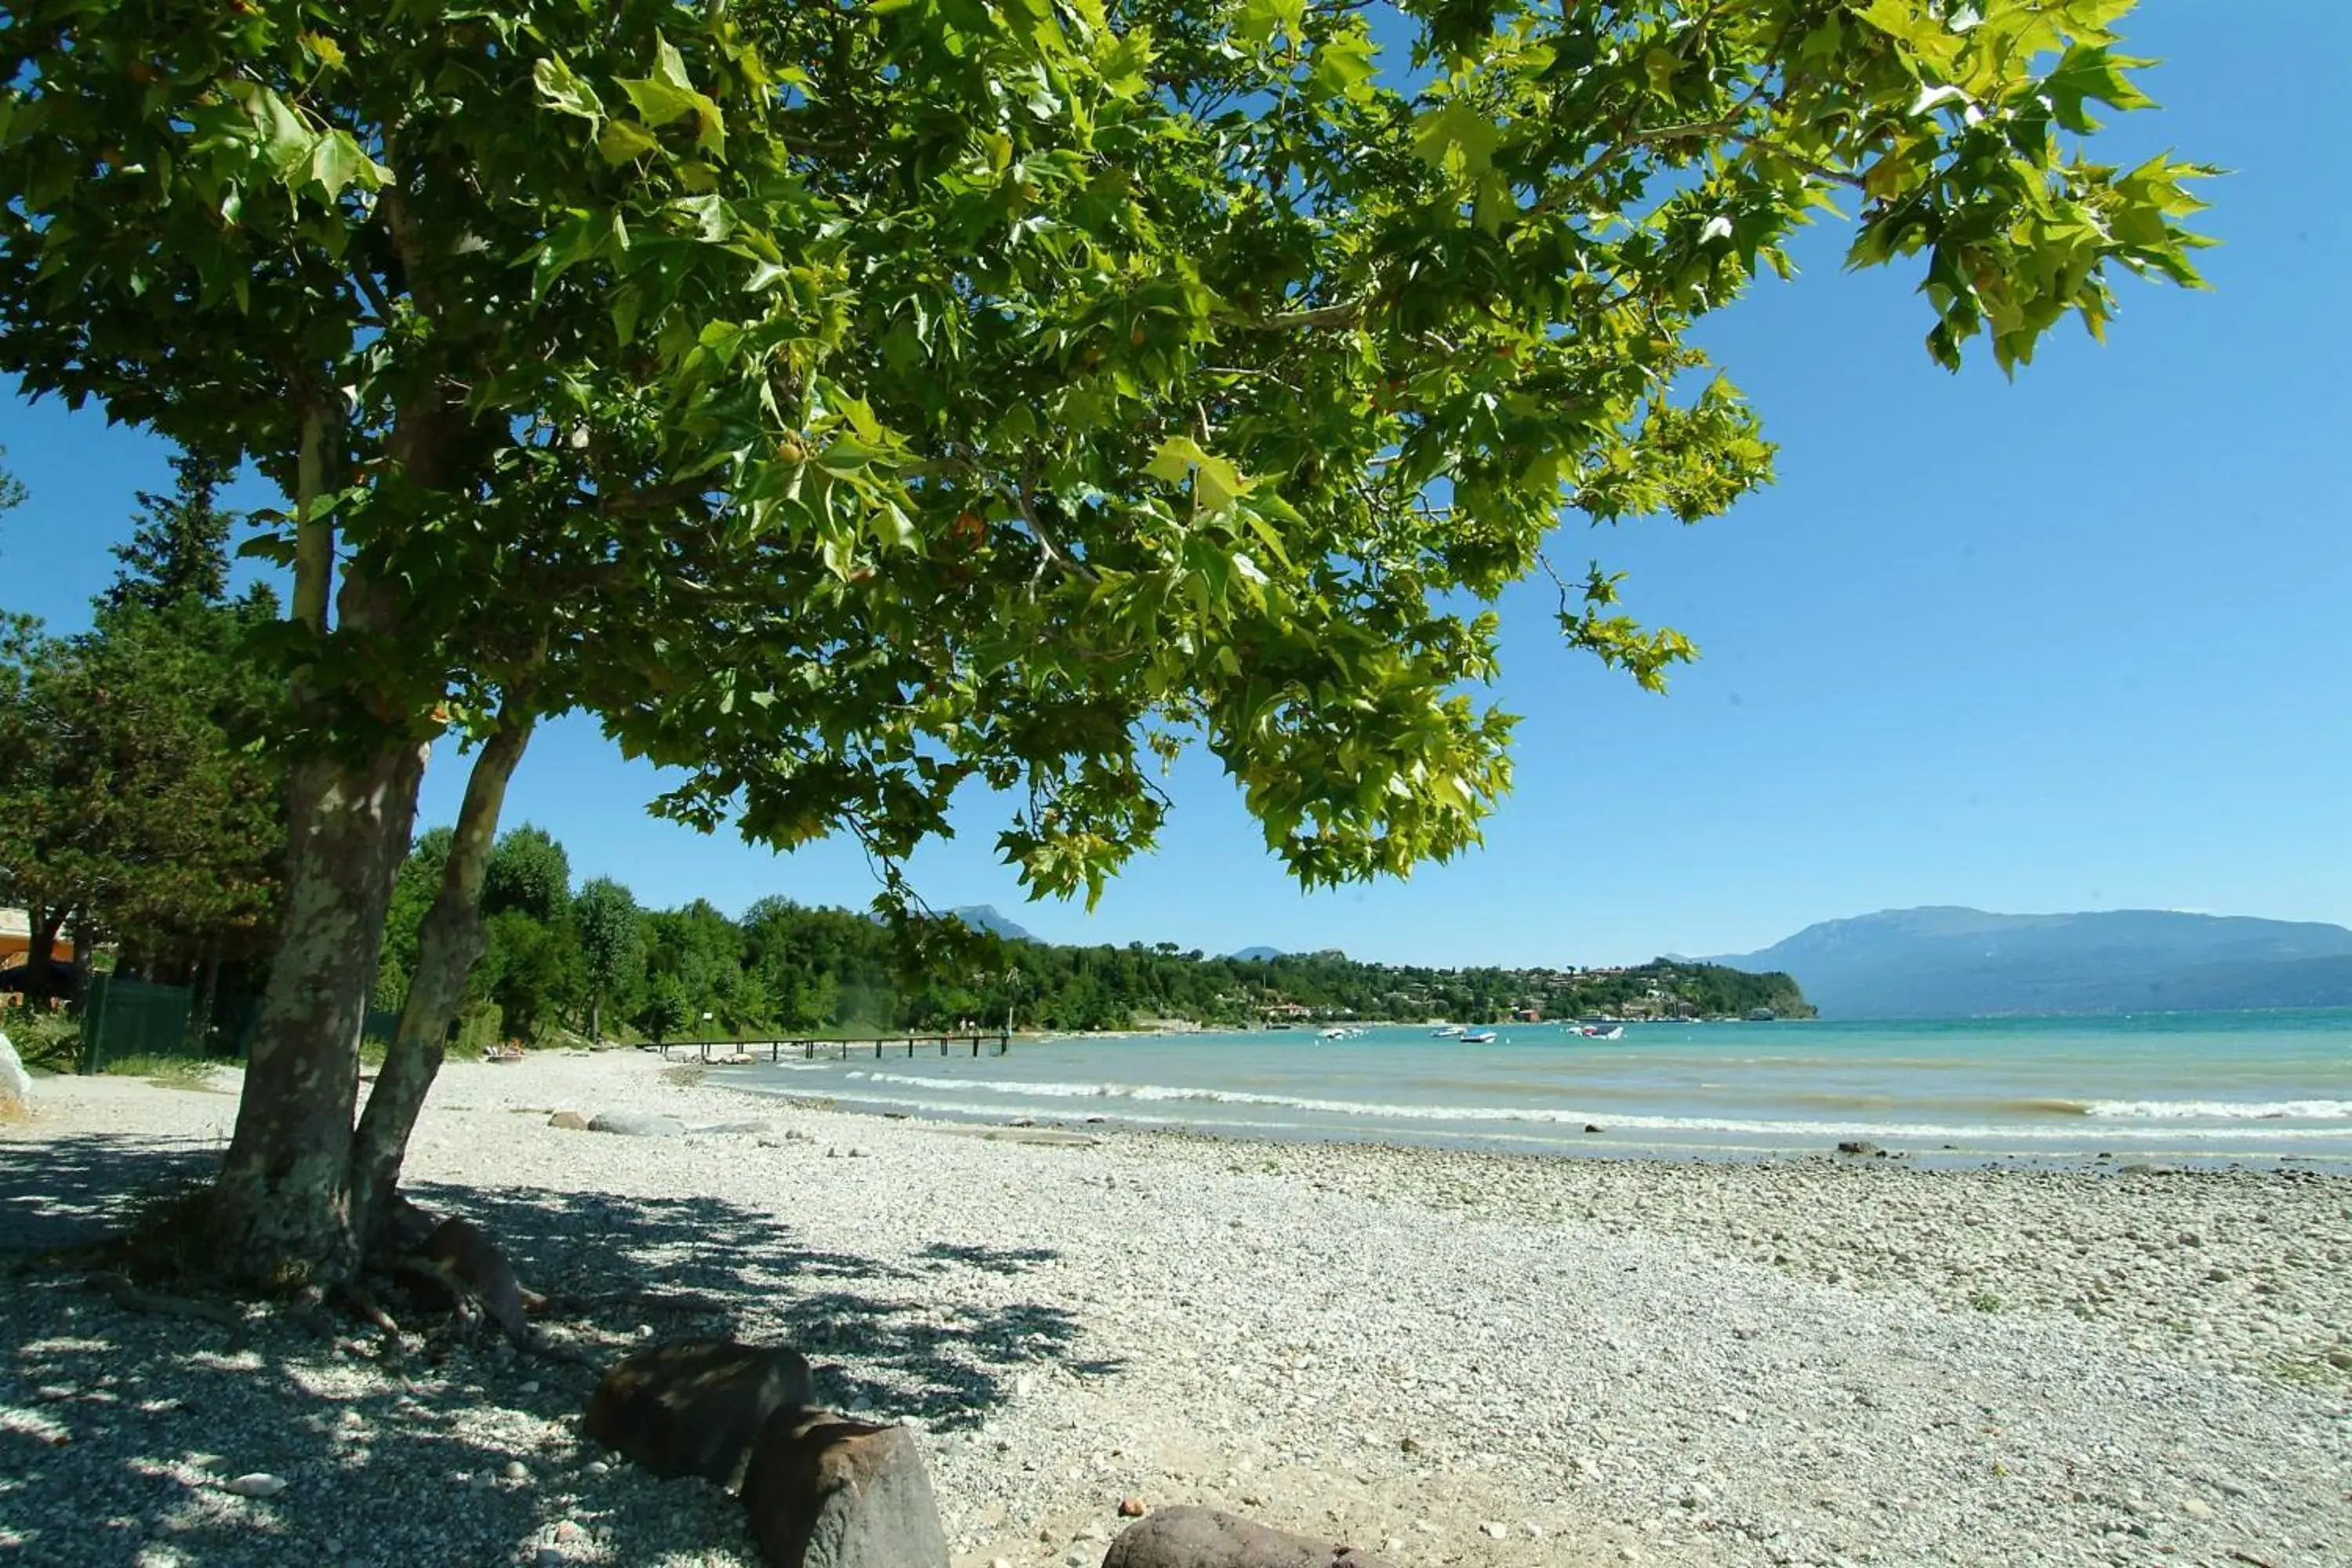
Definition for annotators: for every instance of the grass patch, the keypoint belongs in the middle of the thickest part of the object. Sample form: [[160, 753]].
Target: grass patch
[[164, 1072], [1985, 1302], [45, 1041]]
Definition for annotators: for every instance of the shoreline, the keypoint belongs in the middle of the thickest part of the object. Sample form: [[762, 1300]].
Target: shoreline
[[2134, 1147], [1934, 1096], [1489, 1360]]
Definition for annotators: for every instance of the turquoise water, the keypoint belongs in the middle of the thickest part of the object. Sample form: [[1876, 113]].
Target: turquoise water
[[2204, 1086]]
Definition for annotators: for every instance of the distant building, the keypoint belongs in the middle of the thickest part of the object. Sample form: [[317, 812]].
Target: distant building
[[1526, 1014], [16, 939]]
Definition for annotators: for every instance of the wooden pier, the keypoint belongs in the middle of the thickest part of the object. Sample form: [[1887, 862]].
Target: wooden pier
[[723, 1052]]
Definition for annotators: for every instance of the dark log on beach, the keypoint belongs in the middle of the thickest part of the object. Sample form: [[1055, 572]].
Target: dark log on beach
[[1189, 1537], [825, 1492], [694, 1407]]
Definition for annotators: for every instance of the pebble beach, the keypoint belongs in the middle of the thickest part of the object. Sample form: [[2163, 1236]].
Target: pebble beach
[[1442, 1357]]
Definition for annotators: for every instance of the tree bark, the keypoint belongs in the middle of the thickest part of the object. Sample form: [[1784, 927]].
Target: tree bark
[[47, 920], [85, 953], [208, 998], [450, 942], [281, 1207]]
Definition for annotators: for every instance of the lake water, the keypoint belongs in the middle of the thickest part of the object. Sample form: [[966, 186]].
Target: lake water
[[2257, 1086]]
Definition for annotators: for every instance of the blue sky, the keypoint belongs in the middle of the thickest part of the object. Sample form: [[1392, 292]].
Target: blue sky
[[2081, 641]]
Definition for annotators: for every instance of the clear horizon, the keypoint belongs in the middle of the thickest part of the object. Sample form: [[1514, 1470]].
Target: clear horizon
[[2077, 642]]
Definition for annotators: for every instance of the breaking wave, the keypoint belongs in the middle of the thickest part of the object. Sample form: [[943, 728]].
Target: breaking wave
[[2221, 1110], [978, 1094]]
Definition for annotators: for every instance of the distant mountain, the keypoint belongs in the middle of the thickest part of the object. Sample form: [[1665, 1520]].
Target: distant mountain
[[1257, 954], [984, 917], [1945, 963]]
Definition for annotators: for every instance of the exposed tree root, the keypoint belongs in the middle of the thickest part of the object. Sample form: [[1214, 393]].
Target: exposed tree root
[[355, 1297], [418, 1261], [130, 1296], [455, 1263]]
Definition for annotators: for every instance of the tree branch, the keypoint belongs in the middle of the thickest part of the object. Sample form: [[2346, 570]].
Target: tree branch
[[314, 536], [1024, 502]]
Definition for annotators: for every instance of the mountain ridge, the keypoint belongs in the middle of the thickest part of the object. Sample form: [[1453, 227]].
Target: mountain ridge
[[1950, 961], [988, 918]]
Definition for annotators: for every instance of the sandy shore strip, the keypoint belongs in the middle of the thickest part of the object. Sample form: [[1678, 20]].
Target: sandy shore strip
[[1451, 1358]]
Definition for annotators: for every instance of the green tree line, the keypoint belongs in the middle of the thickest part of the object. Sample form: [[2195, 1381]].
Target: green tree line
[[591, 960], [139, 809]]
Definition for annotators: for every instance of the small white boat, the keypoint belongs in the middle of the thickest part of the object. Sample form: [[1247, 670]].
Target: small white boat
[[1602, 1031], [1483, 1038], [1451, 1031]]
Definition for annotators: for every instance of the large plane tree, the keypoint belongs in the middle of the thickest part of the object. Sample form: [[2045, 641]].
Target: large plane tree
[[846, 402]]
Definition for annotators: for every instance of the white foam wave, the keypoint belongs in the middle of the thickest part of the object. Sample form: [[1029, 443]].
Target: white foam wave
[[2221, 1110], [1800, 1132]]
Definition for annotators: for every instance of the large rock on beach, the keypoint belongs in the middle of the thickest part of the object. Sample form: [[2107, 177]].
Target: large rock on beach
[[694, 1407], [636, 1124], [1191, 1537], [16, 1083], [826, 1493]]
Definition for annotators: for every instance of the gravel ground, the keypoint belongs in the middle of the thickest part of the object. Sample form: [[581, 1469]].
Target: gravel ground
[[1451, 1358]]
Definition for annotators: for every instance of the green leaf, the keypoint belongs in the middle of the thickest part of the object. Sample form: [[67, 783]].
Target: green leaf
[[669, 94], [1457, 137], [1174, 460], [658, 102], [623, 141], [1345, 68], [562, 90], [1660, 65], [337, 160], [2087, 72], [287, 140], [669, 65], [1216, 483]]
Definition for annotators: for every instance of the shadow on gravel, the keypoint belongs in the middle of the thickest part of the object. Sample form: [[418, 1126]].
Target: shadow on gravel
[[995, 1259], [118, 1429], [65, 1192]]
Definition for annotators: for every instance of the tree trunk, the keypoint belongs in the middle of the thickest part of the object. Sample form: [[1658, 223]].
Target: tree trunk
[[448, 943], [85, 954], [282, 1203], [48, 920], [208, 998], [595, 1017]]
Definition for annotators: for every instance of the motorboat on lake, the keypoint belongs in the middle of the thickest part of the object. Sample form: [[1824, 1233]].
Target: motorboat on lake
[[1483, 1038], [1600, 1031], [1450, 1032]]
